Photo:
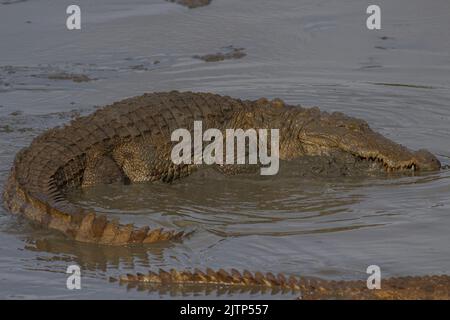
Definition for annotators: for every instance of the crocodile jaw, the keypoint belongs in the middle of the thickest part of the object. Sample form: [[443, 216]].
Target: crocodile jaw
[[354, 136]]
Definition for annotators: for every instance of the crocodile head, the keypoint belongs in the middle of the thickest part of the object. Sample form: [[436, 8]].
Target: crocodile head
[[324, 133]]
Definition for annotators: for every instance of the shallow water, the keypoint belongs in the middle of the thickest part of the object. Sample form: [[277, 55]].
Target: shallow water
[[313, 53]]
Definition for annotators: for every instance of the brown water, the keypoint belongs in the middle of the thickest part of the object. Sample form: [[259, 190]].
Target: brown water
[[309, 52]]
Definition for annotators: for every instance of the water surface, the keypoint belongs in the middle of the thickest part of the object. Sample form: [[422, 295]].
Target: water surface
[[314, 53]]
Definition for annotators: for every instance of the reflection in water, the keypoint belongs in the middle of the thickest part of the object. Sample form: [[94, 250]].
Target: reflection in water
[[213, 291], [97, 257]]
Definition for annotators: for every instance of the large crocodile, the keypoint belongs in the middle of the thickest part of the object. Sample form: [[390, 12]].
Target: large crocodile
[[130, 141]]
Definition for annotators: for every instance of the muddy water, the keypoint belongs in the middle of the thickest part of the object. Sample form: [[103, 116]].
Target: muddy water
[[309, 52]]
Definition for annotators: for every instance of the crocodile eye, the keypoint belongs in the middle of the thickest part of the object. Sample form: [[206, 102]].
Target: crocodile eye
[[354, 126]]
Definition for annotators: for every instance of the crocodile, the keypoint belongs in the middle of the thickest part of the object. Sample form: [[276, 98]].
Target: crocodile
[[130, 142], [435, 287]]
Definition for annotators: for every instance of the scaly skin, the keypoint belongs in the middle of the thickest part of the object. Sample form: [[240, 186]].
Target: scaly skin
[[130, 141], [420, 287]]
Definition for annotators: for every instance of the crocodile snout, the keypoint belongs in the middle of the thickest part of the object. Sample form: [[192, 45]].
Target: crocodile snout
[[426, 161]]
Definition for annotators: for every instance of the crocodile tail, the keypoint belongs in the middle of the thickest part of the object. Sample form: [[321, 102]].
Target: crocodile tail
[[211, 277], [56, 161], [75, 222], [418, 287]]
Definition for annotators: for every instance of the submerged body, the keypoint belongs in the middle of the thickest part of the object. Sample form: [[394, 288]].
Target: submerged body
[[130, 141]]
